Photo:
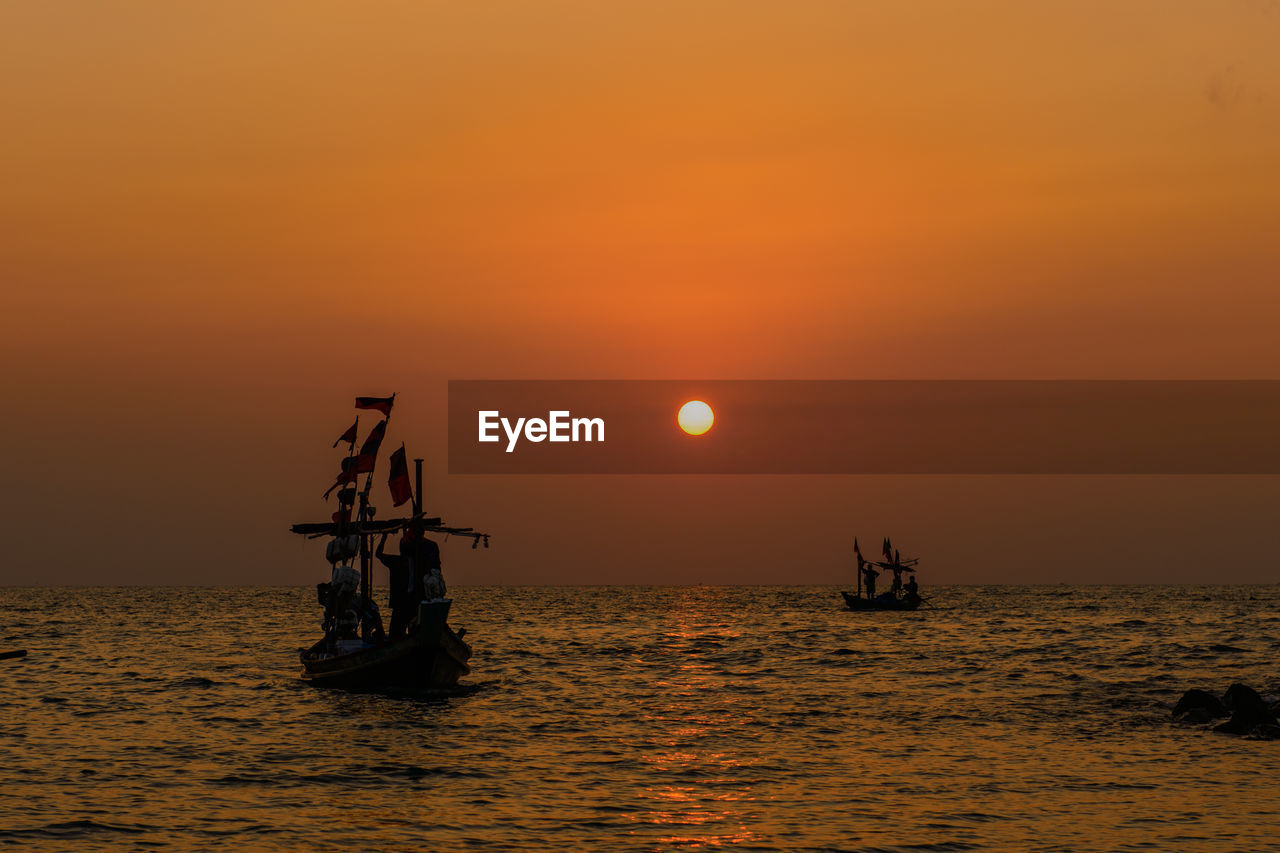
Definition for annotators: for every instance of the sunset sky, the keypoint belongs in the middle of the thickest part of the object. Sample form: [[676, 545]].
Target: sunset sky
[[222, 221]]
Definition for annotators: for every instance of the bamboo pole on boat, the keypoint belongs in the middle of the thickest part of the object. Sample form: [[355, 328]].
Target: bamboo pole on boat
[[344, 519], [417, 486], [857, 552], [314, 529], [366, 552]]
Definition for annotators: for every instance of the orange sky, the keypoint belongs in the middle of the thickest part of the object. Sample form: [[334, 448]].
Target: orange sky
[[220, 221]]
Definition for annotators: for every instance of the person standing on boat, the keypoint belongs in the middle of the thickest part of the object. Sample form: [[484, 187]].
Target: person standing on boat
[[913, 588], [428, 579], [871, 575], [400, 584]]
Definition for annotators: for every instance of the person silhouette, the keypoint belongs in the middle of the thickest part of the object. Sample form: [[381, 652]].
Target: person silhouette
[[400, 586]]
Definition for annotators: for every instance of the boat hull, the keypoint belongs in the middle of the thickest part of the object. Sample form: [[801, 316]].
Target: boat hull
[[430, 656], [856, 603]]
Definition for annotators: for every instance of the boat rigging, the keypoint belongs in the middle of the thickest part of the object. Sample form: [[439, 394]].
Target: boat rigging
[[899, 596], [357, 651]]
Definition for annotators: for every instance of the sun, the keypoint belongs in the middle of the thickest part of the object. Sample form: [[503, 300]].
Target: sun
[[695, 417]]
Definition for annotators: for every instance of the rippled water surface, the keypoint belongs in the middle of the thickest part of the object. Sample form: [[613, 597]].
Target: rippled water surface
[[631, 718]]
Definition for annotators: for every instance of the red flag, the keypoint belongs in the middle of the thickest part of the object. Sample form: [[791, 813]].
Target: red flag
[[378, 404], [343, 478], [374, 441], [352, 467], [359, 464], [398, 479], [349, 436], [888, 553]]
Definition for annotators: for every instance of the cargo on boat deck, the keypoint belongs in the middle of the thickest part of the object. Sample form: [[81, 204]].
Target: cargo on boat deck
[[420, 650]]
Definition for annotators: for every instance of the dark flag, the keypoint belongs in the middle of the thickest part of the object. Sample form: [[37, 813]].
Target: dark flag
[[374, 441], [378, 404], [888, 551], [343, 479], [352, 467], [349, 436], [360, 464], [857, 552], [398, 479]]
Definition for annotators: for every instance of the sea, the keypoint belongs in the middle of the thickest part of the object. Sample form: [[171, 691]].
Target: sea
[[631, 718]]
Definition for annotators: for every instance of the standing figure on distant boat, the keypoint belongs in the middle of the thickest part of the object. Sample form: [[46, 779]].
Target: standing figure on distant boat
[[400, 585], [913, 588], [871, 574], [857, 552]]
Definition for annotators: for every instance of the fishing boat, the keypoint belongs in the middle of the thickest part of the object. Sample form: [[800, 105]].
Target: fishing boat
[[881, 602], [897, 597], [356, 651], [430, 656]]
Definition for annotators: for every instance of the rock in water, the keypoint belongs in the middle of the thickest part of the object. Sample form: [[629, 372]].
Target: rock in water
[[1248, 711], [1199, 706], [1245, 702]]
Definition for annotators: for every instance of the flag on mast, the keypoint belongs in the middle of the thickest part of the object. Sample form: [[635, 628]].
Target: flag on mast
[[352, 467], [373, 442], [343, 479], [857, 552], [378, 404], [398, 478], [349, 436], [888, 551]]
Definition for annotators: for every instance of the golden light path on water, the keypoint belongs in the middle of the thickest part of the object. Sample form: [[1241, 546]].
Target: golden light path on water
[[690, 750], [644, 718]]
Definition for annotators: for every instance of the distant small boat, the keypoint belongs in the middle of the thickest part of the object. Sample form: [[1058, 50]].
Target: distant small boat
[[901, 597], [908, 602]]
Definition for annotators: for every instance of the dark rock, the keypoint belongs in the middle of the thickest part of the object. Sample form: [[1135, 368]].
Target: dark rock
[[1266, 732], [1249, 713], [1197, 716], [1247, 706], [1232, 727], [1199, 706]]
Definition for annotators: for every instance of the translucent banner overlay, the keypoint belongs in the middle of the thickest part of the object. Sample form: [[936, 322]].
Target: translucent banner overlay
[[865, 427]]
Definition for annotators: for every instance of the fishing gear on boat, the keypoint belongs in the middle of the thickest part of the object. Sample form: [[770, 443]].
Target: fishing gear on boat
[[420, 649]]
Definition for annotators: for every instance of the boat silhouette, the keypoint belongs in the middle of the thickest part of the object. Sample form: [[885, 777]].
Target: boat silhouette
[[356, 652]]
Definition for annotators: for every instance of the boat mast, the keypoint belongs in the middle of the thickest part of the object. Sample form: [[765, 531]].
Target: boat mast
[[366, 552], [417, 487], [345, 498]]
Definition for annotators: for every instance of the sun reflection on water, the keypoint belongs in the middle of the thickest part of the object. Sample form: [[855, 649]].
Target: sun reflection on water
[[695, 738]]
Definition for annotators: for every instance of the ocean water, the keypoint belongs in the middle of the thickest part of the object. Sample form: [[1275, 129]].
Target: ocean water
[[645, 719]]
